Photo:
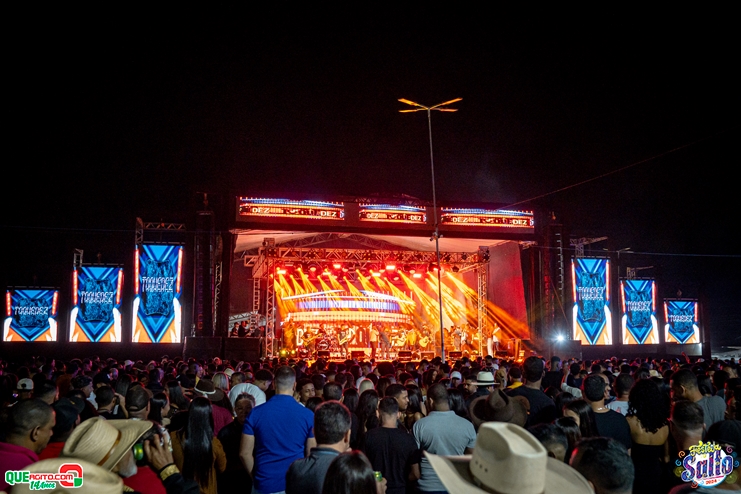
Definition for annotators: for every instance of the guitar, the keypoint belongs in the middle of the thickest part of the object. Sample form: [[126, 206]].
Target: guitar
[[424, 341], [348, 336]]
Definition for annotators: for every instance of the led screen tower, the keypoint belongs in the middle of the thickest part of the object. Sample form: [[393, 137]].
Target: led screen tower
[[682, 321], [592, 317], [638, 322], [157, 312], [31, 315], [96, 304]]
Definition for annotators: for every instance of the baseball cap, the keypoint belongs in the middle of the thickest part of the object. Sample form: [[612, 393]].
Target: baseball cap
[[25, 384], [455, 374]]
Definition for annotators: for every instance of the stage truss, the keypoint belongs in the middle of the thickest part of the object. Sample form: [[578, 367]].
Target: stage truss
[[307, 250]]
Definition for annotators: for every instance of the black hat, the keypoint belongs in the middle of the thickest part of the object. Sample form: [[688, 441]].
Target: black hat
[[73, 401], [66, 416]]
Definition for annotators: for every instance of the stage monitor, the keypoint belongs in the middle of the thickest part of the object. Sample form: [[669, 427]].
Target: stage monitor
[[592, 317], [638, 322], [158, 277], [681, 321], [31, 314], [96, 304]]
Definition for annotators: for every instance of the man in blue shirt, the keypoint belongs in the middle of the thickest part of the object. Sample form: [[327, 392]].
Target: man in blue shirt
[[276, 434]]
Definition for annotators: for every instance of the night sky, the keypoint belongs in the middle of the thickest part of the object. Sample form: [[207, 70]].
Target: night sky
[[625, 125]]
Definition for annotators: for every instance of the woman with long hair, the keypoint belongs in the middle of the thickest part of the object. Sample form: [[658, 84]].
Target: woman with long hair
[[457, 402], [415, 408], [582, 414], [350, 399], [159, 408], [351, 473], [367, 412], [562, 399], [383, 383], [197, 453], [573, 434], [178, 400], [648, 417]]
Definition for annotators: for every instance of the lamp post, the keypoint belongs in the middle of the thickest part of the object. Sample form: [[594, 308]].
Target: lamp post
[[436, 234]]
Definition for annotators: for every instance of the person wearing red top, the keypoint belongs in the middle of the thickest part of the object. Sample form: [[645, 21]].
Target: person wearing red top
[[29, 428]]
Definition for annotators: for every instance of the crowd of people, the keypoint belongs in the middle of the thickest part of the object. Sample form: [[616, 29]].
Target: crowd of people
[[295, 426]]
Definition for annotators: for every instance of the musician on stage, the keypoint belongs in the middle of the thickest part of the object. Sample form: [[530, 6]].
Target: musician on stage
[[411, 336], [383, 338], [373, 339], [343, 338]]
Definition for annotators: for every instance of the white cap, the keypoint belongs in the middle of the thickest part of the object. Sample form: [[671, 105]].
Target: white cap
[[25, 384], [455, 374]]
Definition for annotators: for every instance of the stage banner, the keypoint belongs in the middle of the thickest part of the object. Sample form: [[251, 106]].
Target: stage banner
[[96, 304], [31, 315], [639, 324], [157, 311], [682, 324], [592, 317]]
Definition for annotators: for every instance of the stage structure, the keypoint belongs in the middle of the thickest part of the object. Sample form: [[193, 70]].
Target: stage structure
[[325, 273]]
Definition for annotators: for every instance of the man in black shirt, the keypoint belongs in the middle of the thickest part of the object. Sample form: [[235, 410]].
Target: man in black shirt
[[391, 450], [609, 422], [542, 408], [553, 377]]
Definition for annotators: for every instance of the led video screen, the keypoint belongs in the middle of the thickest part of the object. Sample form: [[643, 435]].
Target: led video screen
[[96, 304], [157, 312], [682, 323], [592, 317], [30, 315], [638, 322]]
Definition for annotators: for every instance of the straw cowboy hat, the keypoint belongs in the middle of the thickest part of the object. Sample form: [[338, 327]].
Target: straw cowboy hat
[[499, 407], [485, 378], [104, 442], [501, 451], [205, 387], [95, 479]]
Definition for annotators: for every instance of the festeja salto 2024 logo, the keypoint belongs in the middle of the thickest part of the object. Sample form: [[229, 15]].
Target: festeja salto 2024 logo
[[707, 464], [69, 476]]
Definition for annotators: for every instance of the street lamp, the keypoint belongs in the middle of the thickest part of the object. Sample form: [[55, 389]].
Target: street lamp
[[436, 234]]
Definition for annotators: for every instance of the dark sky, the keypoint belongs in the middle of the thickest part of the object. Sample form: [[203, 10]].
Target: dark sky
[[625, 125]]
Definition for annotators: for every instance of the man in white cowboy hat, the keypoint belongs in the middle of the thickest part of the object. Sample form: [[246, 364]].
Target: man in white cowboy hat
[[484, 383], [442, 432], [501, 449], [107, 443]]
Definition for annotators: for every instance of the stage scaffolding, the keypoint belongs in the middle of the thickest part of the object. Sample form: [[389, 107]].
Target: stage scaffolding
[[371, 252]]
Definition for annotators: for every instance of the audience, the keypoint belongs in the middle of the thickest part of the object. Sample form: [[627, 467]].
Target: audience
[[667, 405]]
